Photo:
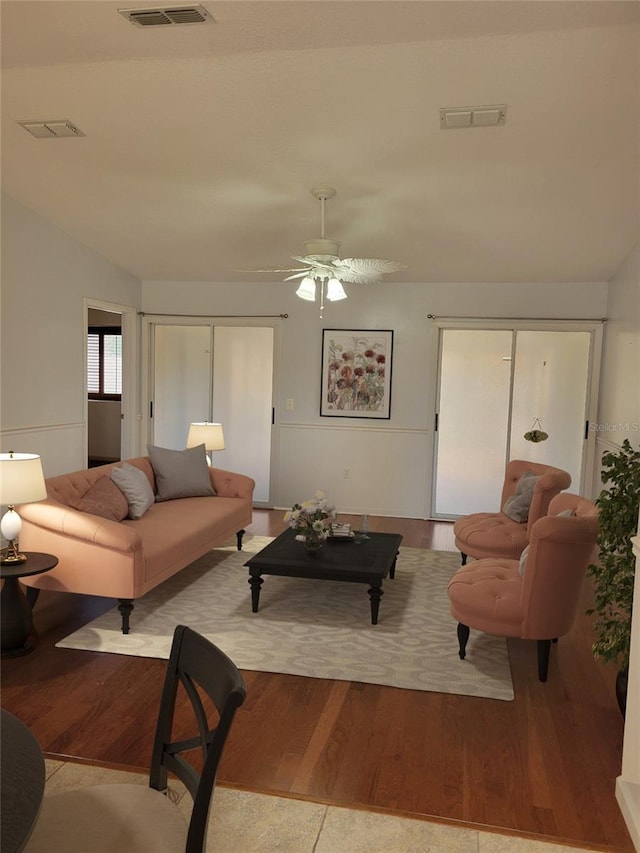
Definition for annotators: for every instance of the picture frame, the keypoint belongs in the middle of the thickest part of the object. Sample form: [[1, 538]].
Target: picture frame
[[356, 373]]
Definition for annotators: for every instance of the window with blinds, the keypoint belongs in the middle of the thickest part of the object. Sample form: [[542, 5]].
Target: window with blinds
[[104, 363]]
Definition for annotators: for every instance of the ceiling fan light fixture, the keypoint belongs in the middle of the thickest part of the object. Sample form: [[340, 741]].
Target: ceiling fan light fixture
[[335, 290], [307, 289]]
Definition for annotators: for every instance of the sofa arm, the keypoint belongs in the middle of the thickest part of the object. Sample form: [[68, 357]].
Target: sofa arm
[[228, 484], [58, 518]]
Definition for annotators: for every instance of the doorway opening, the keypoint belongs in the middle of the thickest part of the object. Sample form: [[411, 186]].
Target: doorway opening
[[110, 348], [104, 387]]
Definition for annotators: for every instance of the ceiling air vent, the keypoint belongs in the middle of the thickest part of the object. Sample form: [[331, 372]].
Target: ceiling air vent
[[169, 15], [452, 117], [51, 129]]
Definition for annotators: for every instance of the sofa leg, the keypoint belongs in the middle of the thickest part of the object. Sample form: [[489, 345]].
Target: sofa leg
[[463, 636], [239, 536], [125, 606], [544, 647], [464, 559]]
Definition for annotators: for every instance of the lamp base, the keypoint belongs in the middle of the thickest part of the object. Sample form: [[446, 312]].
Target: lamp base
[[11, 556]]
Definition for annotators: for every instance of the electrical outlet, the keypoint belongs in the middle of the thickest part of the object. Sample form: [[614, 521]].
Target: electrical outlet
[[290, 405], [346, 473]]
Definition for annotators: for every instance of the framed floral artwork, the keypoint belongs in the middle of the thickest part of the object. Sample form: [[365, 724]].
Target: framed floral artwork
[[356, 373]]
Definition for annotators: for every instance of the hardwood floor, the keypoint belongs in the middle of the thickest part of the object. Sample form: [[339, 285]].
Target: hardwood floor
[[544, 764]]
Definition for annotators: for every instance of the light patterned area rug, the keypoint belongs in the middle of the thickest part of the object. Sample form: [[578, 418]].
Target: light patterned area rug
[[315, 628]]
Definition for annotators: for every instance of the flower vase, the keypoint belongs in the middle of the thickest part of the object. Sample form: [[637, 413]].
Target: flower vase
[[312, 543]]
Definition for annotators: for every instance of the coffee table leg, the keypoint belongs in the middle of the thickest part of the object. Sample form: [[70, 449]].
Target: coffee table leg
[[392, 570], [255, 581], [375, 594]]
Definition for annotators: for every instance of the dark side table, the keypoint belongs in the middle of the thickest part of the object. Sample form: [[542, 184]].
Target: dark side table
[[16, 619]]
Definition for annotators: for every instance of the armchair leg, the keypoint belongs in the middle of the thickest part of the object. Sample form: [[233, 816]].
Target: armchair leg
[[239, 536], [463, 636], [544, 647], [463, 559]]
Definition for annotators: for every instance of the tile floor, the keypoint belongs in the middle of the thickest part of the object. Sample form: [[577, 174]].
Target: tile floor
[[248, 822]]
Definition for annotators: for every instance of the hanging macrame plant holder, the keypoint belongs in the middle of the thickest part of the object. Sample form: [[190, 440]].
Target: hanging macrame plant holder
[[536, 433]]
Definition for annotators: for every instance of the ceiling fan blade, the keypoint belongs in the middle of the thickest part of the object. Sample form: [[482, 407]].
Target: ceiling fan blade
[[275, 269], [374, 265], [365, 270], [299, 274]]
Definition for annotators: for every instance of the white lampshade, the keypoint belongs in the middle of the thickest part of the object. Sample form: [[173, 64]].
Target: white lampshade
[[307, 289], [335, 290], [21, 478], [210, 435]]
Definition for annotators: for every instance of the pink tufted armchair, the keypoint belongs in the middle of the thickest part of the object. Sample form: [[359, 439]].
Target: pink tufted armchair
[[494, 534], [536, 597]]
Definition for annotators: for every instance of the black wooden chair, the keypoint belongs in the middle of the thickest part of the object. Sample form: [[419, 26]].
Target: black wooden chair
[[136, 818]]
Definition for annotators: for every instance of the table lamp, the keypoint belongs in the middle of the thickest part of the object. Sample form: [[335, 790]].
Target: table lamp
[[21, 482], [210, 435]]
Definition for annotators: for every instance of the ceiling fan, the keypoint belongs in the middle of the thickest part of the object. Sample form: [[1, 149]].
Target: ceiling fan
[[321, 263]]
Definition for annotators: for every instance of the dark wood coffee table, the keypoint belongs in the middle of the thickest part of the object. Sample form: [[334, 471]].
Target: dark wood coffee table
[[362, 561]]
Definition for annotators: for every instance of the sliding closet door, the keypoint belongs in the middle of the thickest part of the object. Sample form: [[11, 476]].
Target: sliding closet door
[[474, 382], [497, 385], [216, 373], [243, 399], [181, 382], [550, 384]]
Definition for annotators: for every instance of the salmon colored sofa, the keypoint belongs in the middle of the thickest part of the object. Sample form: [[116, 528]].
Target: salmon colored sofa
[[125, 559]]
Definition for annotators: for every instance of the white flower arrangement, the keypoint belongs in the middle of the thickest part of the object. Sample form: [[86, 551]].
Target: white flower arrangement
[[309, 518]]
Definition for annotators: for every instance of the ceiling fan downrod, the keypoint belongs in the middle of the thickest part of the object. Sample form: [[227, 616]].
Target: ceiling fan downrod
[[322, 249], [322, 193]]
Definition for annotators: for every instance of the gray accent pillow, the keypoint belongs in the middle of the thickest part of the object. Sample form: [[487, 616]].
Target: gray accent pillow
[[134, 485], [566, 513], [517, 506], [180, 473]]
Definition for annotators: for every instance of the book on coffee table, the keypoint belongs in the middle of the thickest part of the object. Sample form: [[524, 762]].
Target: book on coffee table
[[341, 531]]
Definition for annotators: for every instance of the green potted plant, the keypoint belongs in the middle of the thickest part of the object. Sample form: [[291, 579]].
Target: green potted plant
[[614, 572]]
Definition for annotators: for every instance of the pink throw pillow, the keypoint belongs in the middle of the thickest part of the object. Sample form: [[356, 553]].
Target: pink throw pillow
[[103, 498]]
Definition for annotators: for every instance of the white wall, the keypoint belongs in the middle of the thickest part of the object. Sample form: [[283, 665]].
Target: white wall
[[390, 460], [620, 406], [45, 277], [628, 783]]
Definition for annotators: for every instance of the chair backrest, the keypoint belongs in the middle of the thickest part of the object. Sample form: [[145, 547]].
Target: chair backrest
[[582, 507], [551, 482], [560, 550], [200, 667]]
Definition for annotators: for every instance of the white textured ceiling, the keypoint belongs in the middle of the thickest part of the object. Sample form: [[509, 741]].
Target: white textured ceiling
[[203, 141]]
